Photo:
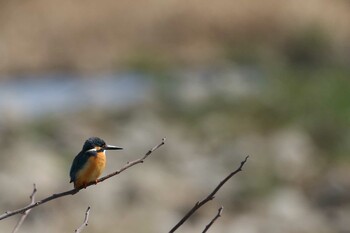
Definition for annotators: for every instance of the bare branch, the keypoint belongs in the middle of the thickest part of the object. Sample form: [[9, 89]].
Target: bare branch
[[130, 164], [74, 191], [25, 214], [210, 197], [218, 215], [85, 223]]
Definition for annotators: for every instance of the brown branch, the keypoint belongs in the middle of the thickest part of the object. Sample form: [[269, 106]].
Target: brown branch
[[74, 191], [130, 164], [85, 223], [210, 197], [25, 214], [218, 215]]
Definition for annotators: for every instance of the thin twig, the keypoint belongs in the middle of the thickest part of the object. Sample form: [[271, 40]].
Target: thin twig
[[25, 214], [74, 191], [130, 164], [210, 197], [85, 223], [218, 215]]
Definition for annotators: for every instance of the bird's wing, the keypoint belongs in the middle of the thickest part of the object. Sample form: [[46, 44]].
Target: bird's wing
[[79, 162]]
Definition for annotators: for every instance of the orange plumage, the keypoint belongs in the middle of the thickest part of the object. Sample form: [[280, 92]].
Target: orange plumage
[[89, 164], [91, 171]]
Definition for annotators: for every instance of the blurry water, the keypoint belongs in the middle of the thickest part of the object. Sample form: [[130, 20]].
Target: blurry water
[[30, 96]]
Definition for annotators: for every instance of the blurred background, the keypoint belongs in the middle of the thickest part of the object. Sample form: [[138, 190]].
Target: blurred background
[[220, 79]]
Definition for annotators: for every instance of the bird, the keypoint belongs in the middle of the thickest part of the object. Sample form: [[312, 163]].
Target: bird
[[89, 164]]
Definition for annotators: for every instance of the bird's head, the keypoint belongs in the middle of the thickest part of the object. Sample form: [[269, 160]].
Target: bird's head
[[97, 144]]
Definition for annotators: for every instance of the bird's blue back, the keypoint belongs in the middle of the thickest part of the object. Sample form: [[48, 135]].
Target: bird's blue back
[[79, 162]]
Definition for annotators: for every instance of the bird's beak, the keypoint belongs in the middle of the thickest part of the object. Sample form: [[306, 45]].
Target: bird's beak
[[110, 147]]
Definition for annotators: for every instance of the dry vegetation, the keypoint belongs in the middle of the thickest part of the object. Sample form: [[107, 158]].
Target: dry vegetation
[[99, 35]]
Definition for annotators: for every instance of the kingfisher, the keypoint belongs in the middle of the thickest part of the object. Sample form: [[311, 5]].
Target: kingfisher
[[88, 165]]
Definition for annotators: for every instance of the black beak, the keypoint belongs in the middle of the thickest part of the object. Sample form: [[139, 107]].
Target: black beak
[[110, 147]]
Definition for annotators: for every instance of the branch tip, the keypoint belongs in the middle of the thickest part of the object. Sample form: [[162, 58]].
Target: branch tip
[[220, 211], [86, 220], [218, 215]]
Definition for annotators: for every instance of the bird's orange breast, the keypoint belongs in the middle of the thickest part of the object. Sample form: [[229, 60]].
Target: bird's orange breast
[[91, 170]]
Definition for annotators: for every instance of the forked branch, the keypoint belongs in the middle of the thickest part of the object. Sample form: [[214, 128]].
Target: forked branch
[[210, 197], [25, 214]]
